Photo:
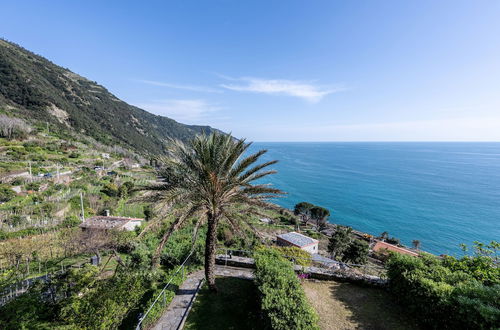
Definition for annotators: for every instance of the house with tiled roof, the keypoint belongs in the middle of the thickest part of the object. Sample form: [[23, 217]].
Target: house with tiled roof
[[303, 242], [384, 248]]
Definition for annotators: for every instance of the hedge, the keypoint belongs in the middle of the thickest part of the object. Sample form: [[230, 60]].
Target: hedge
[[283, 300], [447, 293]]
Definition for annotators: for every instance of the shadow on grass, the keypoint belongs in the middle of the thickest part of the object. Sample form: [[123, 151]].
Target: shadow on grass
[[234, 306], [372, 308]]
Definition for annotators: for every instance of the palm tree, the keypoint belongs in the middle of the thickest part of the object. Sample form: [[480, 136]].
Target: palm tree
[[416, 243], [210, 179]]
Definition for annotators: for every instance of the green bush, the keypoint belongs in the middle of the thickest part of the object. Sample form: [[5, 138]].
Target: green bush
[[110, 190], [71, 221], [17, 182], [447, 293], [283, 300], [15, 220], [35, 186], [296, 255], [357, 252], [6, 193], [107, 303]]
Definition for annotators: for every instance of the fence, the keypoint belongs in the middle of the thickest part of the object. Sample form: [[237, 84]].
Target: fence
[[162, 295], [19, 288]]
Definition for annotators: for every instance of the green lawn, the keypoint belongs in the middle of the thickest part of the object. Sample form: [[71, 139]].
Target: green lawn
[[234, 306]]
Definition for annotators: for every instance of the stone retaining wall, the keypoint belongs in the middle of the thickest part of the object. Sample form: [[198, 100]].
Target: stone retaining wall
[[317, 273]]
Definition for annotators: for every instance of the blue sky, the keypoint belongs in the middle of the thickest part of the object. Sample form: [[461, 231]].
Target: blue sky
[[285, 70]]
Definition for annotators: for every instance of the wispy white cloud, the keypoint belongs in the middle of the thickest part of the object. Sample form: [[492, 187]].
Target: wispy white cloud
[[304, 90], [194, 88], [188, 111]]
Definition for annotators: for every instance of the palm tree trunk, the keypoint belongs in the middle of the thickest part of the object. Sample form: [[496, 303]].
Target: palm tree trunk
[[210, 250]]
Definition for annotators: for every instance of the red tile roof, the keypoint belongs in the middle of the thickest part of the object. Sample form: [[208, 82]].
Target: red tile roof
[[381, 246]]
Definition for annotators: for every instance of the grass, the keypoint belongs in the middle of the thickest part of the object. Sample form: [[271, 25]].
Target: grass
[[127, 209], [349, 306], [234, 306]]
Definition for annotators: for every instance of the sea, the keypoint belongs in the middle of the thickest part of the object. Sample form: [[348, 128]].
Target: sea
[[442, 194]]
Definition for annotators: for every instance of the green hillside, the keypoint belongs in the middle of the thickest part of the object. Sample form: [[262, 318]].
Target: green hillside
[[35, 88]]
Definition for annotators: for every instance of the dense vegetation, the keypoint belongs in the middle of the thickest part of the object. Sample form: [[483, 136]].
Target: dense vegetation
[[90, 298], [33, 87], [449, 293], [345, 247], [282, 297]]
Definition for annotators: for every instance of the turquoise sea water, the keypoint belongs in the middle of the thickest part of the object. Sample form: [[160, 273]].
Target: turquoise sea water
[[442, 194]]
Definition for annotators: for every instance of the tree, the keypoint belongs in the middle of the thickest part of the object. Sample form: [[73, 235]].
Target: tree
[[416, 243], [126, 189], [356, 252], [303, 210], [209, 179], [320, 215], [340, 241], [384, 236], [393, 240]]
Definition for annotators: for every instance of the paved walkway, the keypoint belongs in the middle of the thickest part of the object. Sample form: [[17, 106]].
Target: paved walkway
[[173, 317]]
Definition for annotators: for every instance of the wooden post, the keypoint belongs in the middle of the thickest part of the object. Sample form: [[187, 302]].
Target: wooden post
[[81, 204]]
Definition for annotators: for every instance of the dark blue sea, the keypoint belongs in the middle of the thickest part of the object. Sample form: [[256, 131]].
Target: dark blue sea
[[442, 194]]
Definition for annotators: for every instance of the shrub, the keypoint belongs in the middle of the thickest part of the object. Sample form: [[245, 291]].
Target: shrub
[[148, 212], [6, 193], [107, 302], [447, 293], [393, 240], [356, 252], [17, 182], [15, 220], [296, 255], [71, 221], [283, 300], [110, 190], [35, 186]]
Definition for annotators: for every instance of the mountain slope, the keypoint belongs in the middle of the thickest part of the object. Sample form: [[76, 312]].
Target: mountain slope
[[35, 88]]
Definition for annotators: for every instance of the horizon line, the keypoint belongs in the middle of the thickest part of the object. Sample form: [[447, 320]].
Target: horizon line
[[379, 141]]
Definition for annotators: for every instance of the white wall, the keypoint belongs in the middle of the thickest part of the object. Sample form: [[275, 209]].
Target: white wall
[[313, 248], [131, 225]]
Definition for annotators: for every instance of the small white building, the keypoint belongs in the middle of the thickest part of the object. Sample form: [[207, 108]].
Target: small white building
[[303, 242], [108, 222]]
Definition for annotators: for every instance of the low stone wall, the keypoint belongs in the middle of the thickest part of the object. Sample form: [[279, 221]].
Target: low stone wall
[[235, 261], [317, 273], [341, 276]]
